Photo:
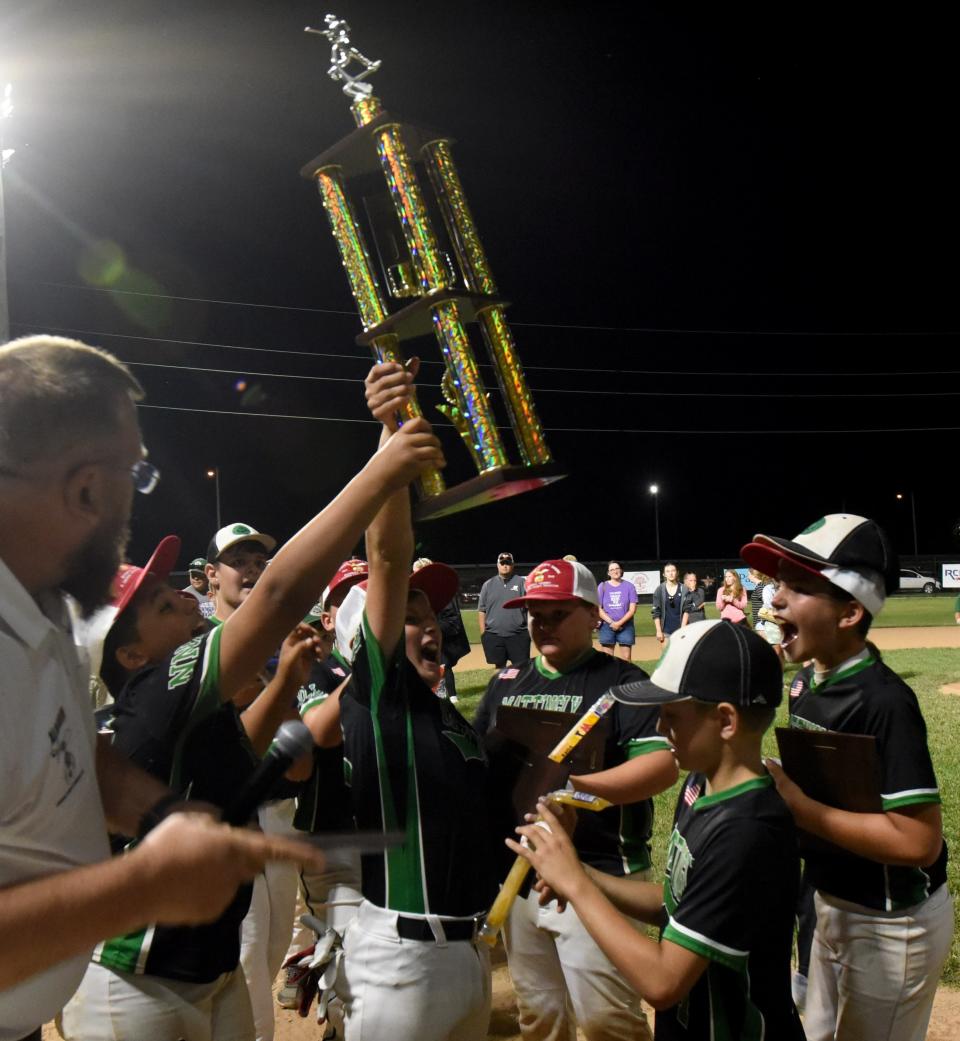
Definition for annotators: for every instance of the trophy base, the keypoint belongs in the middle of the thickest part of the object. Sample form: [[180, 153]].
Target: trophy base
[[489, 487]]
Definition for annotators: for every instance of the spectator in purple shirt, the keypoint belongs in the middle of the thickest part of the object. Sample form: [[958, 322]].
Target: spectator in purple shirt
[[618, 604]]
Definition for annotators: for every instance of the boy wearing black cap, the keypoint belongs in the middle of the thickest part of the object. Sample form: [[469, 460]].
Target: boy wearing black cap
[[884, 915], [725, 909]]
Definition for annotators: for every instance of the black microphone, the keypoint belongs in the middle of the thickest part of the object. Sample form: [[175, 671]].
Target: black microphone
[[290, 742]]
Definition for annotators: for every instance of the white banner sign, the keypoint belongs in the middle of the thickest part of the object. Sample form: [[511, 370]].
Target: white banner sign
[[950, 576], [643, 581]]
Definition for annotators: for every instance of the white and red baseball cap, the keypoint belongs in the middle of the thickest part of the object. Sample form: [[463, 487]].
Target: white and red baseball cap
[[439, 582], [559, 580], [129, 579]]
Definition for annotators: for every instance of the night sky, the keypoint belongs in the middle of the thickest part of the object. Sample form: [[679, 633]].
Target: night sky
[[730, 241]]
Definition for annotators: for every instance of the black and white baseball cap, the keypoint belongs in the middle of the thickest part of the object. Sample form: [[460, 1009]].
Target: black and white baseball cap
[[231, 534], [852, 552], [711, 661]]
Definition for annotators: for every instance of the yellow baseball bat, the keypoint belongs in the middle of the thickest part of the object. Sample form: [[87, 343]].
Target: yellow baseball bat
[[500, 907]]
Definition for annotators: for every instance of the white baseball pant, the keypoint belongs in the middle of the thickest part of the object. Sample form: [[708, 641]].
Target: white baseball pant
[[394, 989], [563, 980], [119, 1006], [874, 974]]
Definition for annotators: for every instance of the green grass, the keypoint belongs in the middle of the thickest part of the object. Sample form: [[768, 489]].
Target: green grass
[[926, 671], [900, 610]]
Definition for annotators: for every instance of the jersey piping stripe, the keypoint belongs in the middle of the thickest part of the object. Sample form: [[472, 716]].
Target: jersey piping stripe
[[909, 793], [416, 800], [145, 949], [709, 948]]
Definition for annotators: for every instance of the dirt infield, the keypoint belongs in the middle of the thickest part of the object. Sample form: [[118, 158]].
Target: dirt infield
[[893, 639]]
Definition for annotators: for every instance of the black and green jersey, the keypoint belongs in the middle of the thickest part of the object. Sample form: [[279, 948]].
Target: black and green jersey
[[414, 764], [169, 720], [869, 698], [323, 802], [730, 895], [615, 840]]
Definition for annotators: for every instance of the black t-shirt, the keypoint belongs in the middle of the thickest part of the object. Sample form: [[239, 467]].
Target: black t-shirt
[[170, 721], [323, 803], [730, 895], [414, 764], [869, 698], [615, 840]]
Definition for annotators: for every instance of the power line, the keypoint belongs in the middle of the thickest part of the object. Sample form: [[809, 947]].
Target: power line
[[883, 334], [366, 359], [571, 430], [559, 390]]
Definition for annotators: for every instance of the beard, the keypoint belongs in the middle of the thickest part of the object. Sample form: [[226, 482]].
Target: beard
[[92, 568]]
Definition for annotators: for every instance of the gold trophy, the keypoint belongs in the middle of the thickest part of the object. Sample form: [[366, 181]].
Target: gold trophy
[[444, 274]]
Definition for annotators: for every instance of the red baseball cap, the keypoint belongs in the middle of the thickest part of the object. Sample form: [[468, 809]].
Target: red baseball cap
[[129, 579], [438, 581], [350, 572], [558, 580]]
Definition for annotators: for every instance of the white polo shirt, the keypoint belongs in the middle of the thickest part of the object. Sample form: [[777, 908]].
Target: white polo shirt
[[51, 816]]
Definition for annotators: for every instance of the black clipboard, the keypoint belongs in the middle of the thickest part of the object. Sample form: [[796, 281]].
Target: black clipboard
[[841, 770]]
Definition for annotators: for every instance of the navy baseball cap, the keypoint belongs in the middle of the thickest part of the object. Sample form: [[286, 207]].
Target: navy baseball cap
[[711, 661]]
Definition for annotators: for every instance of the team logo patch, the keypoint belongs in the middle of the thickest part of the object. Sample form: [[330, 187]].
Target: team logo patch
[[240, 529], [796, 688], [679, 862], [816, 526], [465, 744], [509, 674]]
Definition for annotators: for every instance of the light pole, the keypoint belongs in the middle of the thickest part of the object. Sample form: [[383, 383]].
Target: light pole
[[215, 474], [913, 517], [655, 492]]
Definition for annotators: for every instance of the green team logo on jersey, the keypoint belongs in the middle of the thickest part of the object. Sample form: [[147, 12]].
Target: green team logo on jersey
[[465, 744], [679, 862], [182, 663]]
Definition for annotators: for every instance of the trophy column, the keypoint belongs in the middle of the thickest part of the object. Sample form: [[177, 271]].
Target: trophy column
[[493, 322], [469, 409], [366, 290]]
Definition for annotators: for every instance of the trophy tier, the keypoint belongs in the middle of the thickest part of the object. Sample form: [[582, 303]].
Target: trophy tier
[[354, 155], [488, 487], [416, 319]]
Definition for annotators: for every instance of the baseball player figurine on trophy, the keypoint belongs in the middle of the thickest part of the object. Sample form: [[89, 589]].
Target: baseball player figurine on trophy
[[444, 272]]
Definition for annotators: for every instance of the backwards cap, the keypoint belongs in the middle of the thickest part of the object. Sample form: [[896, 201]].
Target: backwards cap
[[438, 582], [711, 661], [558, 580], [852, 552], [231, 534]]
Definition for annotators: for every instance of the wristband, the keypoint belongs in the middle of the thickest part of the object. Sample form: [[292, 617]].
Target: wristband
[[156, 813]]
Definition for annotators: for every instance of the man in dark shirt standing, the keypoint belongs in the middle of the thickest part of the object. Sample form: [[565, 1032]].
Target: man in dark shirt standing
[[503, 631]]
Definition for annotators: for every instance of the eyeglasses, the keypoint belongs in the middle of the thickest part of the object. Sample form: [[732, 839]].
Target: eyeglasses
[[505, 560], [145, 476]]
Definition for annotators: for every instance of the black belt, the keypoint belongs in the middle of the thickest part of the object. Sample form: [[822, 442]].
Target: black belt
[[419, 929]]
